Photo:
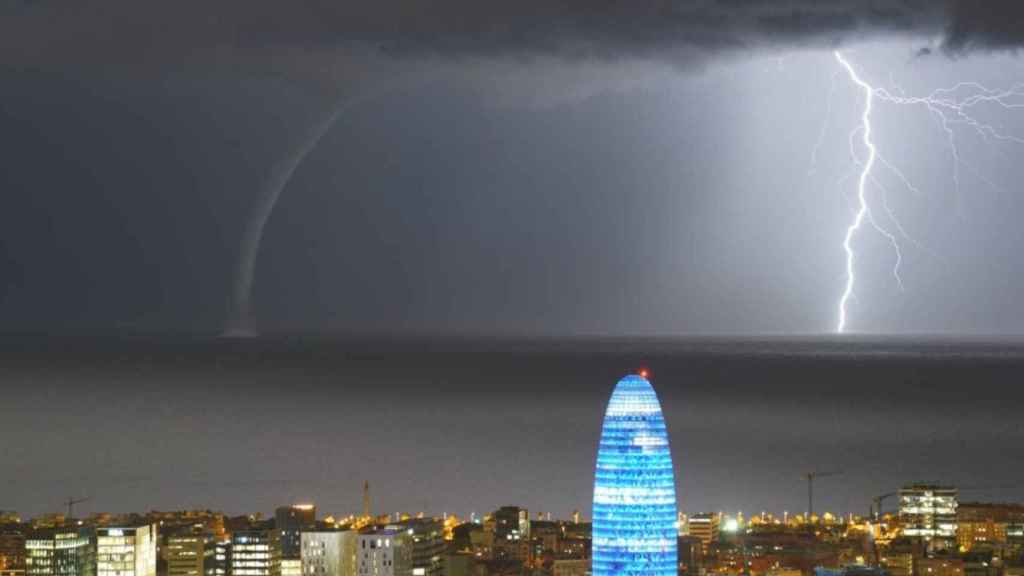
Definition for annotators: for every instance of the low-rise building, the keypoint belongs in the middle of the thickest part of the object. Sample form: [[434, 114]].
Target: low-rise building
[[570, 567], [706, 527], [256, 553], [691, 555], [329, 553], [428, 546], [128, 550], [984, 524], [12, 553], [60, 552], [190, 554], [384, 552]]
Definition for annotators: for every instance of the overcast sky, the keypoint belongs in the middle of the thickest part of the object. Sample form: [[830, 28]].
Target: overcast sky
[[531, 168]]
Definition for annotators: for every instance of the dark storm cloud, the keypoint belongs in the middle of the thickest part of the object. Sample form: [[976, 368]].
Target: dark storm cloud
[[985, 25], [51, 31]]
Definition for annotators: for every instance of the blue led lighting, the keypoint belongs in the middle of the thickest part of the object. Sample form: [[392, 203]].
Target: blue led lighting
[[634, 487]]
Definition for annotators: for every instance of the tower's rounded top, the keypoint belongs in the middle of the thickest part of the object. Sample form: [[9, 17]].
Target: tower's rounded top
[[640, 377], [634, 383], [633, 394]]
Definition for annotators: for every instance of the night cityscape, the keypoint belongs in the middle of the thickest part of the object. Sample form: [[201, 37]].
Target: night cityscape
[[511, 288], [906, 528], [929, 531]]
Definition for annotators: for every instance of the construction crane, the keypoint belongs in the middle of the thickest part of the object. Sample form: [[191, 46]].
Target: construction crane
[[71, 502], [876, 505], [875, 513], [810, 477]]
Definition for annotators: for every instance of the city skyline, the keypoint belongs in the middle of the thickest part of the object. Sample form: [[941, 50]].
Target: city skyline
[[931, 532], [725, 520]]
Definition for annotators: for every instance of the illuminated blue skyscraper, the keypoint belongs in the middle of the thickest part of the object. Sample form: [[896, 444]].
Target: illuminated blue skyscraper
[[634, 487]]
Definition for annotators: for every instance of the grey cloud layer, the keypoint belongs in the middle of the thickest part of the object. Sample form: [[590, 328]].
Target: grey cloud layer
[[141, 30]]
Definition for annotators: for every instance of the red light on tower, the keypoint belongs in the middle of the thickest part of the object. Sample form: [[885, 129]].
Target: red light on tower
[[643, 373]]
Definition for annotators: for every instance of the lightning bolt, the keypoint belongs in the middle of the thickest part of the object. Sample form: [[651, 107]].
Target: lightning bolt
[[863, 211], [951, 107]]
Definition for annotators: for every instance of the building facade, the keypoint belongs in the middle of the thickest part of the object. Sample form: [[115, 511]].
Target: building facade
[[988, 524], [126, 550], [706, 528], [545, 539], [290, 522], [428, 546], [60, 552], [222, 556], [691, 555], [570, 567], [329, 553], [384, 552], [256, 553], [511, 527], [12, 553], [190, 554], [929, 512], [634, 509]]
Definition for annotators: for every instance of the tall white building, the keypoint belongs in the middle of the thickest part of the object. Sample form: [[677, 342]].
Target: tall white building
[[126, 550], [329, 553], [928, 511], [385, 552]]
